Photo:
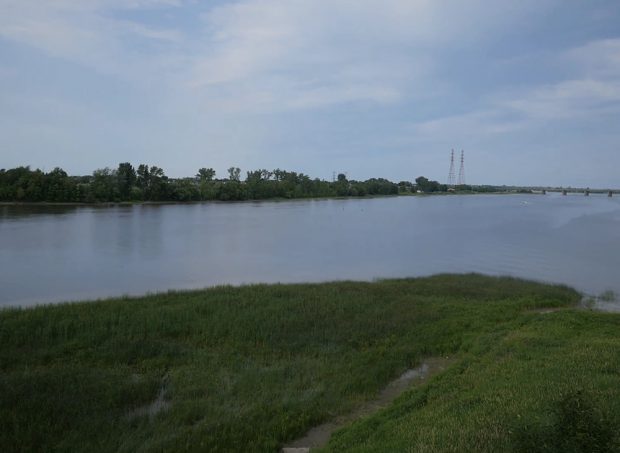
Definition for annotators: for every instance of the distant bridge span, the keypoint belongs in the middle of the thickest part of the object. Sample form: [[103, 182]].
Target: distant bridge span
[[586, 191]]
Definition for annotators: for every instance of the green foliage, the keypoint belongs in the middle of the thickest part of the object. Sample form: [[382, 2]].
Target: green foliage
[[428, 186], [127, 178], [581, 426], [577, 425], [234, 174], [545, 382], [104, 185], [150, 183], [206, 186], [406, 187], [248, 368], [205, 174]]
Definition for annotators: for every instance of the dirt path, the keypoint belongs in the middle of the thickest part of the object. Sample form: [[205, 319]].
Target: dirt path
[[319, 435], [156, 406]]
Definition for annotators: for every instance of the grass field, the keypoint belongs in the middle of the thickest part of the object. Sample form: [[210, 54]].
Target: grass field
[[249, 368]]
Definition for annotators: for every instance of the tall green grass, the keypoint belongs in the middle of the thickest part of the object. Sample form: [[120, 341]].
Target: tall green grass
[[248, 368], [550, 384]]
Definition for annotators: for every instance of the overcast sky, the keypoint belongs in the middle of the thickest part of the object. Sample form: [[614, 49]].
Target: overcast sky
[[530, 89]]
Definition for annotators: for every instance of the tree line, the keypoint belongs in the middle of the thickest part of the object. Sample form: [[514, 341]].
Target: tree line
[[150, 183]]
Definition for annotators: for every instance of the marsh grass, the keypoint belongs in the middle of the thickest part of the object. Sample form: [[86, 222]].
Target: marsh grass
[[576, 424], [550, 383], [248, 368]]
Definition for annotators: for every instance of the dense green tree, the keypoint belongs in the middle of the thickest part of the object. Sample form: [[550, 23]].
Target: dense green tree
[[380, 186], [405, 187], [14, 183], [184, 189], [104, 186], [234, 174], [151, 184], [206, 185], [57, 186], [158, 185], [127, 179], [35, 189], [258, 185], [143, 177], [428, 186], [205, 174], [342, 185], [232, 190]]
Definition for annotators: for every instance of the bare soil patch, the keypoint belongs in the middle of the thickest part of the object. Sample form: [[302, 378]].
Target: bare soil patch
[[319, 435]]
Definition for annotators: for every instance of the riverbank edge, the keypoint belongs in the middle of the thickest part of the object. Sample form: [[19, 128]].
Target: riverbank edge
[[198, 202]]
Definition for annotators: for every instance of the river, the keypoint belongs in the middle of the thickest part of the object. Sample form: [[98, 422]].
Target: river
[[62, 253]]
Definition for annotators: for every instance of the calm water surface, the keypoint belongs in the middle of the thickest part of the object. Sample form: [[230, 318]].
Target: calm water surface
[[51, 254]]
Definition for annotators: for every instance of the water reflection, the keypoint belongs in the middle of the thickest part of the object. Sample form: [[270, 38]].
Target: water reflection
[[20, 212]]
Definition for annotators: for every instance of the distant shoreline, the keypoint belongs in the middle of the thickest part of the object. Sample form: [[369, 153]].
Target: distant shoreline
[[193, 202]]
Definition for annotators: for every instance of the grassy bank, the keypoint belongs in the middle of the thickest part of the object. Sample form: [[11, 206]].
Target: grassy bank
[[551, 384], [248, 368]]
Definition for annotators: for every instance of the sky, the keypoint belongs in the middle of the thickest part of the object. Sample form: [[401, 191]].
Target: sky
[[530, 90]]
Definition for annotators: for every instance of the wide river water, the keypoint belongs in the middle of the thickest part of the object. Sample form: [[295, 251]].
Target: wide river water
[[63, 253]]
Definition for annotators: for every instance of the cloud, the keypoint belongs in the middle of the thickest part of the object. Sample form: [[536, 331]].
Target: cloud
[[572, 99], [85, 31], [271, 55], [593, 93], [600, 58], [267, 55], [596, 90]]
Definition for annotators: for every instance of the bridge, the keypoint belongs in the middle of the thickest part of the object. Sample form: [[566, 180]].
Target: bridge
[[586, 192]]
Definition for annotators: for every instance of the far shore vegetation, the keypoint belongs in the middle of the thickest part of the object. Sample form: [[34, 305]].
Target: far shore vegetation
[[149, 183], [251, 368]]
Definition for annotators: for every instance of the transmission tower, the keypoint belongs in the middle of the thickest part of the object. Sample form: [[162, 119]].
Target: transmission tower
[[461, 180], [451, 175]]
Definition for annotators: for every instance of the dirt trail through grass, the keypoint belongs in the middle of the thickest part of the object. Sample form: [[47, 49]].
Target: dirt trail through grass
[[156, 406], [319, 435]]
